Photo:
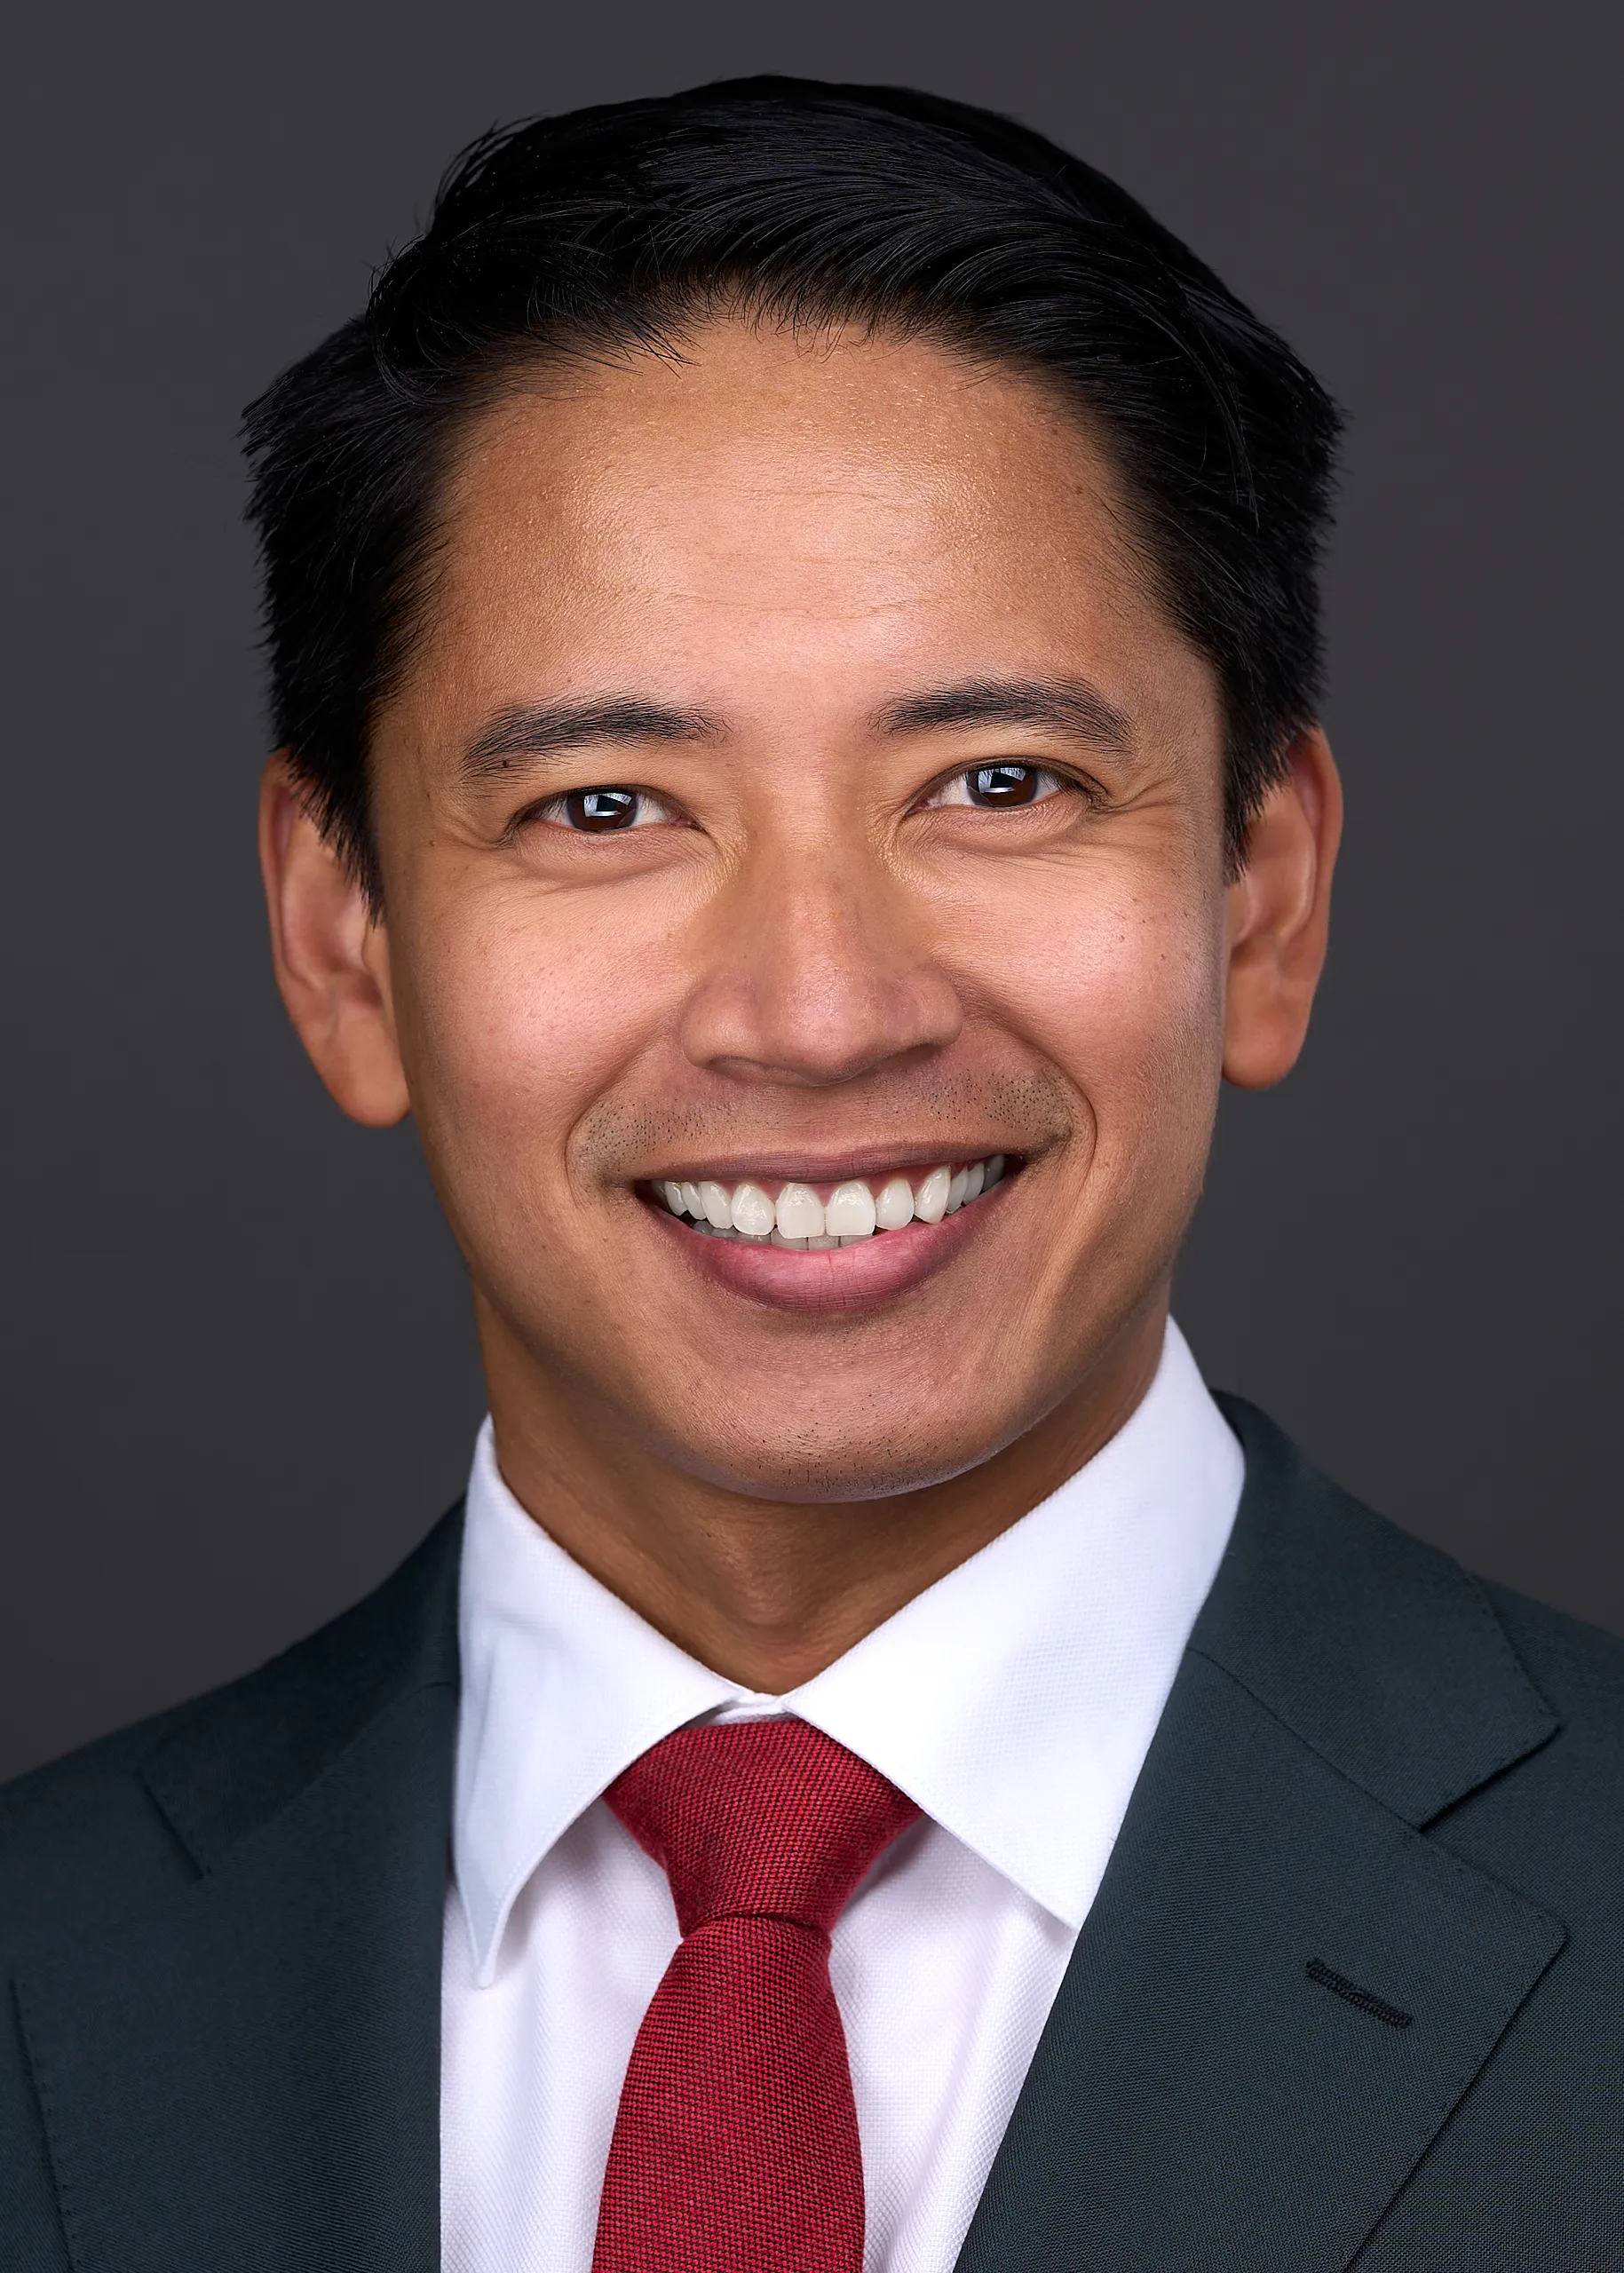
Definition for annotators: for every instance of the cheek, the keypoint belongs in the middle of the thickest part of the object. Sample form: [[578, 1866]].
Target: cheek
[[1116, 978], [521, 1011]]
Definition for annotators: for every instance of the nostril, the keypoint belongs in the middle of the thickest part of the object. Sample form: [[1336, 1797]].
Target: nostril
[[761, 1018], [785, 1064]]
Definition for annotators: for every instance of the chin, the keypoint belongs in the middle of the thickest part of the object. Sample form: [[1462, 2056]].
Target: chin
[[833, 1467]]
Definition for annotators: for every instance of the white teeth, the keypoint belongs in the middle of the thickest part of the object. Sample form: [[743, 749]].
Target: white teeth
[[894, 1208], [800, 1213], [799, 1218], [930, 1199], [850, 1213], [753, 1212]]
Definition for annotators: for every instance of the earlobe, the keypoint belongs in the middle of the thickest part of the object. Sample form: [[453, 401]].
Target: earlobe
[[331, 957], [1279, 917]]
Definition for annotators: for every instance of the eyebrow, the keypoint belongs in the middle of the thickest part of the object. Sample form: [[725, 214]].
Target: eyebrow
[[1071, 706], [544, 728], [541, 729]]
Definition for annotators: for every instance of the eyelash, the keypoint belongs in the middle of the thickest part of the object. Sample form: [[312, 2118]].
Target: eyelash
[[1051, 781], [556, 810], [1011, 774]]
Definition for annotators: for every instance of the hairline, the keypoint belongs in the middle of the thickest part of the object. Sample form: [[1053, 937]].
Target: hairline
[[501, 379]]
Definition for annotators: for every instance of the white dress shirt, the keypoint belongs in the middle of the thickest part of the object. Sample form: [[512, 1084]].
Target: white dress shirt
[[1014, 1701]]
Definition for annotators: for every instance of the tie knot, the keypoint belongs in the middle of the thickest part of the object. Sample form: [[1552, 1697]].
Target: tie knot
[[759, 1818]]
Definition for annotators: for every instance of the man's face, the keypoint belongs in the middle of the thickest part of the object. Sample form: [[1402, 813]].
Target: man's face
[[799, 784]]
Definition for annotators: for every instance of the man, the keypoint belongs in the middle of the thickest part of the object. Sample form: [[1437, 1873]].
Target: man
[[794, 641]]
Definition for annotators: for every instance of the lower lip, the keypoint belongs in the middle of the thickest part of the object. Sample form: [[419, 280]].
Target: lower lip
[[854, 1277]]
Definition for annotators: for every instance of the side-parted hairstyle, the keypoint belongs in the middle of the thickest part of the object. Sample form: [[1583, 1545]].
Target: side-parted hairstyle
[[788, 200]]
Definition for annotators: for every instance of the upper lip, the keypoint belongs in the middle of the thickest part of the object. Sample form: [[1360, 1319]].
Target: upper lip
[[863, 1162]]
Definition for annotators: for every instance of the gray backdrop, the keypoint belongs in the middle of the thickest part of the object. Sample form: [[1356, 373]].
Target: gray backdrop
[[239, 1377]]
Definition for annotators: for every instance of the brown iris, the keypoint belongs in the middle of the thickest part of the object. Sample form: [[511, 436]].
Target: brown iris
[[1002, 785], [598, 810]]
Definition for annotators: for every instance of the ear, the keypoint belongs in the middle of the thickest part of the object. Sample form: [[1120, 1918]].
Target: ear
[[331, 956], [1279, 913]]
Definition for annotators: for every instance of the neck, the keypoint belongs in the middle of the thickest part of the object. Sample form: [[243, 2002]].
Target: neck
[[769, 1592]]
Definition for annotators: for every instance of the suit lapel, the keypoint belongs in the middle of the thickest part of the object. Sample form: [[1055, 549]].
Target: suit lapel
[[247, 2075], [1283, 1989], [1285, 1985]]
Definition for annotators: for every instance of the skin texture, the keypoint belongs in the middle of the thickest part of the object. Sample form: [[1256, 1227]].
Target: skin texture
[[803, 961]]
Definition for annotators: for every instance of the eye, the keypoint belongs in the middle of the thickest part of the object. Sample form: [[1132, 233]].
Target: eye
[[601, 812], [995, 787]]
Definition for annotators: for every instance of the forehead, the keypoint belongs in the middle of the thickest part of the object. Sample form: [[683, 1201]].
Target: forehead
[[796, 503]]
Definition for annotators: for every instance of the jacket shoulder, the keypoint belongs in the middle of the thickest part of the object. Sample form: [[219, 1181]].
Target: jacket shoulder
[[1557, 1825], [1578, 1667], [96, 1835], [74, 1831], [1444, 1695]]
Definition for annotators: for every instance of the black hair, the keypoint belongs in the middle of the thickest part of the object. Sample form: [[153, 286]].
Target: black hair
[[810, 204]]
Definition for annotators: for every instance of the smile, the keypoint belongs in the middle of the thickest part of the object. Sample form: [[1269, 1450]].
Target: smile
[[797, 1216]]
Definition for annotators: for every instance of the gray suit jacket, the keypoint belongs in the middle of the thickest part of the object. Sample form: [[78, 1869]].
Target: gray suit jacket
[[1352, 1994]]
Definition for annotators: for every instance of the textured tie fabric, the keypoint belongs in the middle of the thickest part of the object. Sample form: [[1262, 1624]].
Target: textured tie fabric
[[735, 2147]]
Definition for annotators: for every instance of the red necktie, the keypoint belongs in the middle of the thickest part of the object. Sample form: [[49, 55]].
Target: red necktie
[[735, 2147]]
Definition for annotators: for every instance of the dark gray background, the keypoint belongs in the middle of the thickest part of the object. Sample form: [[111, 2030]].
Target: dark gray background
[[239, 1377]]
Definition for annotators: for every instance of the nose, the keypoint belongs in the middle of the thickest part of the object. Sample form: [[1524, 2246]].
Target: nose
[[816, 971]]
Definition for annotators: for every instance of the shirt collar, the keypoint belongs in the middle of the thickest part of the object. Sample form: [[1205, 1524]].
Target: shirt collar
[[1014, 1699]]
